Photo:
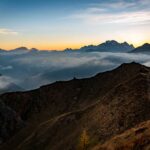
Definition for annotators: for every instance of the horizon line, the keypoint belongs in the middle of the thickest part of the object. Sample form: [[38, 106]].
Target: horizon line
[[62, 49]]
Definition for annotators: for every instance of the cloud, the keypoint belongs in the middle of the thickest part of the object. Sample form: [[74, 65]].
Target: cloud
[[119, 11], [132, 17], [5, 67], [122, 5], [4, 82], [4, 31], [32, 70]]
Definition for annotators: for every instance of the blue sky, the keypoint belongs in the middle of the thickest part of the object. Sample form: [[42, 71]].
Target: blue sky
[[57, 24]]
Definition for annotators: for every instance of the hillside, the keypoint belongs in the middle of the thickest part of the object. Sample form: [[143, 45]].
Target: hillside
[[135, 138], [103, 106]]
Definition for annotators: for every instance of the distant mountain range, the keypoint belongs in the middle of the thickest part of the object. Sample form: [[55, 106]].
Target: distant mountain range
[[142, 49], [62, 115], [108, 46], [19, 50], [2, 50]]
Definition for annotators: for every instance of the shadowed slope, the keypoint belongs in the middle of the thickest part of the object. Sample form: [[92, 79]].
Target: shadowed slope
[[122, 108], [133, 139], [105, 105], [62, 97]]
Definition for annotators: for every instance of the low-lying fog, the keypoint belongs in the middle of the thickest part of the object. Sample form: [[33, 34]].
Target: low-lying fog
[[31, 70]]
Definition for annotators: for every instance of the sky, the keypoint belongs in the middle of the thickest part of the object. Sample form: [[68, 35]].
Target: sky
[[58, 24]]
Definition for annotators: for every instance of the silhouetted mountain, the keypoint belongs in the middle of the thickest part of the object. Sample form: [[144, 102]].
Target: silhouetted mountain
[[34, 49], [142, 49], [21, 49], [8, 86], [109, 46], [103, 106], [2, 50], [68, 50]]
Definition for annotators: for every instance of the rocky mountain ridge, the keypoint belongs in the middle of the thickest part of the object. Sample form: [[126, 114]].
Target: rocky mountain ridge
[[103, 106]]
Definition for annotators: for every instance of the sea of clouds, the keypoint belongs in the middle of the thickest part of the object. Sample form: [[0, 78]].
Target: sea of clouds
[[34, 69]]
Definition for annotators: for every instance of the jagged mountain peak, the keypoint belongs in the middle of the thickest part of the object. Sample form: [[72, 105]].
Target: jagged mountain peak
[[111, 42], [109, 46], [114, 42], [145, 48], [146, 44]]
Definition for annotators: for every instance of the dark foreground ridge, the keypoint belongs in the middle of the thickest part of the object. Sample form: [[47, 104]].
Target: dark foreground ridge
[[137, 138], [60, 116]]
